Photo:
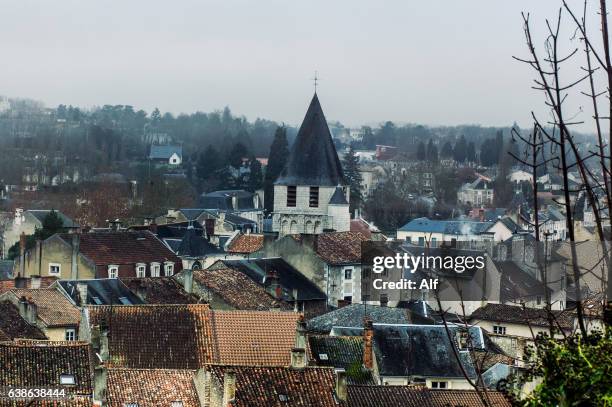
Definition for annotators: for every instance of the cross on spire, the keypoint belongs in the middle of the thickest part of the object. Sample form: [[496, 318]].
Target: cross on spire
[[316, 79]]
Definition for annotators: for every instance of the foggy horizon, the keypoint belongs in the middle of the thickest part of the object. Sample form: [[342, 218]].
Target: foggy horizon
[[410, 63]]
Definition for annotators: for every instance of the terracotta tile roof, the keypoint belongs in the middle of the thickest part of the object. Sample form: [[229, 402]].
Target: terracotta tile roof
[[45, 282], [236, 289], [190, 336], [156, 336], [467, 398], [340, 247], [418, 396], [159, 290], [361, 226], [39, 364], [264, 386], [53, 308], [247, 244], [123, 247], [519, 315], [254, 337], [388, 396], [151, 387], [12, 325]]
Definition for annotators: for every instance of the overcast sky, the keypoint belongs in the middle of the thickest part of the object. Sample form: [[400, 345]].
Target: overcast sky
[[430, 62]]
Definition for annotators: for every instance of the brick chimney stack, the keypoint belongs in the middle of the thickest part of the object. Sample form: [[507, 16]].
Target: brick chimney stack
[[22, 249], [299, 358], [229, 388], [368, 337]]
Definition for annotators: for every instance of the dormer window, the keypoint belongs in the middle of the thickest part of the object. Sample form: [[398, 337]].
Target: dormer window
[[168, 268], [177, 404], [113, 271], [141, 270], [291, 196], [155, 267], [67, 380]]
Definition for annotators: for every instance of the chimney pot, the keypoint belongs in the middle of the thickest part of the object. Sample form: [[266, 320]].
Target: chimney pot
[[368, 336]]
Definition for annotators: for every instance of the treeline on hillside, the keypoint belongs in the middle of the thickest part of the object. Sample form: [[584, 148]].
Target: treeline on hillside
[[103, 137]]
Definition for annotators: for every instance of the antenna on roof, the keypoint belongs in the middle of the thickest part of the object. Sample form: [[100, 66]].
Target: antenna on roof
[[316, 79]]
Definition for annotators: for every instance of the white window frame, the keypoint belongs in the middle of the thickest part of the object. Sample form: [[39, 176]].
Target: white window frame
[[141, 270], [155, 269], [168, 269], [70, 333], [59, 269], [499, 329], [350, 271], [113, 271], [439, 385]]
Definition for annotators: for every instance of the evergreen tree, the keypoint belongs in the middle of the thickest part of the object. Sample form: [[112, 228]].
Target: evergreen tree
[[460, 151], [155, 117], [277, 159], [471, 152], [353, 177], [421, 155], [255, 175], [236, 154], [447, 150], [208, 163], [432, 152]]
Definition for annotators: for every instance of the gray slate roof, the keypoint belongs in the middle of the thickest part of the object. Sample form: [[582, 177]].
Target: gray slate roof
[[313, 159], [419, 350], [105, 291], [338, 198], [352, 316], [165, 152], [449, 227]]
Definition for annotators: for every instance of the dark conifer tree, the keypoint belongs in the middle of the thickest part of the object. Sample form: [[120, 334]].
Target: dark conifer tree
[[277, 159], [353, 177]]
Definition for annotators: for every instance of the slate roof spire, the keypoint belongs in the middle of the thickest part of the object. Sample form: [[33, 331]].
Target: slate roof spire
[[313, 159]]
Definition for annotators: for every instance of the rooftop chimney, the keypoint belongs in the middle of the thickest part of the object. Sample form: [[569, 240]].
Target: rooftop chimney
[[229, 387], [82, 289], [300, 333], [35, 282], [273, 286], [188, 280], [298, 358], [294, 293], [341, 393], [22, 249], [153, 227], [74, 262], [368, 336], [32, 314]]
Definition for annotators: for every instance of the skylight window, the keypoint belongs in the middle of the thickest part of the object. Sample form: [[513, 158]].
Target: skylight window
[[125, 301], [177, 404], [283, 397], [67, 379], [323, 356]]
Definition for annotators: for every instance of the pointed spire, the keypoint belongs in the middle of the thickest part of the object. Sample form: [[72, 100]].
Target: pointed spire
[[313, 159]]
